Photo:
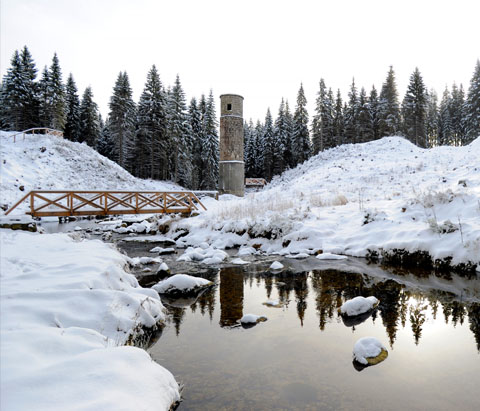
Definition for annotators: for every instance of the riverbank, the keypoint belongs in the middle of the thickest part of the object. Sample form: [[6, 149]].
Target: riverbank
[[67, 310]]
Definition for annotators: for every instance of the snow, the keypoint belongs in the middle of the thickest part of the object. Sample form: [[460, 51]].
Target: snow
[[67, 309], [367, 347], [181, 282], [209, 255], [252, 319], [358, 305], [331, 256], [356, 200], [239, 261], [64, 165], [276, 265]]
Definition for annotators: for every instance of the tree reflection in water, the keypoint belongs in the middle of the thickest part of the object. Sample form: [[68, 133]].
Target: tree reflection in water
[[399, 304]]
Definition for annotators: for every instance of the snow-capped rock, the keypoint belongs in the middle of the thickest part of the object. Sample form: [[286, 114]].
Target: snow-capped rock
[[358, 305], [369, 351], [181, 284]]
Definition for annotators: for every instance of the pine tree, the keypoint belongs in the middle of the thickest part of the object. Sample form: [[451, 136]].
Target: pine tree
[[72, 110], [444, 120], [351, 115], [338, 122], [210, 150], [414, 110], [472, 107], [301, 138], [151, 148], [373, 111], [280, 136], [105, 142], [195, 118], [288, 143], [389, 112], [44, 99], [364, 124], [30, 100], [122, 121], [457, 106], [431, 123], [267, 146], [318, 138], [57, 94], [251, 150], [13, 95], [180, 136], [89, 130]]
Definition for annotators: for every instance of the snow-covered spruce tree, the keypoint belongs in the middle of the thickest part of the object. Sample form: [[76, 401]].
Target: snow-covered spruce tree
[[472, 107], [318, 138], [431, 122], [122, 119], [44, 98], [280, 136], [30, 104], [288, 143], [89, 130], [444, 120], [195, 118], [250, 150], [301, 137], [414, 110], [457, 106], [338, 122], [267, 146], [373, 108], [151, 148], [389, 112], [13, 96], [351, 115], [72, 110], [210, 150], [105, 143], [364, 125], [57, 90], [180, 135]]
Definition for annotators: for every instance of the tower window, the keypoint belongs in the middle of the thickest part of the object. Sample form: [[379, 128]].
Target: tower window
[[229, 107]]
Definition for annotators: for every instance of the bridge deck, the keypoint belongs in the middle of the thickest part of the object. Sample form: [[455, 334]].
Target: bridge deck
[[63, 203]]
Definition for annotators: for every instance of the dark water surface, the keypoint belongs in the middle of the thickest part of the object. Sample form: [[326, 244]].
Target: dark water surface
[[301, 358]]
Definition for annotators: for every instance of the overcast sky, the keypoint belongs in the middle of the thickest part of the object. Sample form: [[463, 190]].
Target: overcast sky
[[260, 49]]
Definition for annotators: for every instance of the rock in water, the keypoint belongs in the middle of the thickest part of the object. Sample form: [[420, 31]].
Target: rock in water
[[276, 265], [369, 351], [358, 305]]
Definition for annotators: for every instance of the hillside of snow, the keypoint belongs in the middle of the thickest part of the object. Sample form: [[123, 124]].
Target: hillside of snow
[[43, 162], [382, 198]]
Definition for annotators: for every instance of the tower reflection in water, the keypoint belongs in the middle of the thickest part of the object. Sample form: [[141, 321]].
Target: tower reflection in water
[[231, 296]]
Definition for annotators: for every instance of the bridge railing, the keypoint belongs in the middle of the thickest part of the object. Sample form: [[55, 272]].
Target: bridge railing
[[44, 130], [76, 203]]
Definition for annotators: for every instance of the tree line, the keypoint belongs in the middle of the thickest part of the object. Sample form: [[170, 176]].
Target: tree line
[[276, 145], [162, 138], [159, 137]]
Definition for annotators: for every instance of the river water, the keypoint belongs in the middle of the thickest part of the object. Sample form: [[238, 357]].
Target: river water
[[301, 358]]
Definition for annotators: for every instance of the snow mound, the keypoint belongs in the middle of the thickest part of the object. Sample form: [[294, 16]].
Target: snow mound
[[330, 256], [44, 162], [209, 256], [239, 261], [358, 305], [181, 283], [368, 351], [68, 307], [276, 265]]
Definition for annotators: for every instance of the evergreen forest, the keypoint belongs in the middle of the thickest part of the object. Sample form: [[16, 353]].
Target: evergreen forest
[[165, 138]]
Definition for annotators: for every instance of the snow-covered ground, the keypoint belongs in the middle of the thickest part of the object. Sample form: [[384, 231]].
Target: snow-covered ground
[[67, 310], [358, 200], [67, 307], [43, 162]]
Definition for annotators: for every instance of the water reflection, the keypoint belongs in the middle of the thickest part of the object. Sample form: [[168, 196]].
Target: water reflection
[[400, 305]]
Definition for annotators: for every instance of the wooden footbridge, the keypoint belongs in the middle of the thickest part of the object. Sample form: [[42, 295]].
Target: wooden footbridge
[[77, 203]]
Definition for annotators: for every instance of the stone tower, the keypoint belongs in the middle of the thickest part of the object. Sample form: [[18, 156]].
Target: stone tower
[[231, 166]]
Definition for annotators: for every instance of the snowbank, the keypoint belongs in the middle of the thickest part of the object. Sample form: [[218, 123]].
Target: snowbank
[[385, 198], [43, 162], [67, 309]]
